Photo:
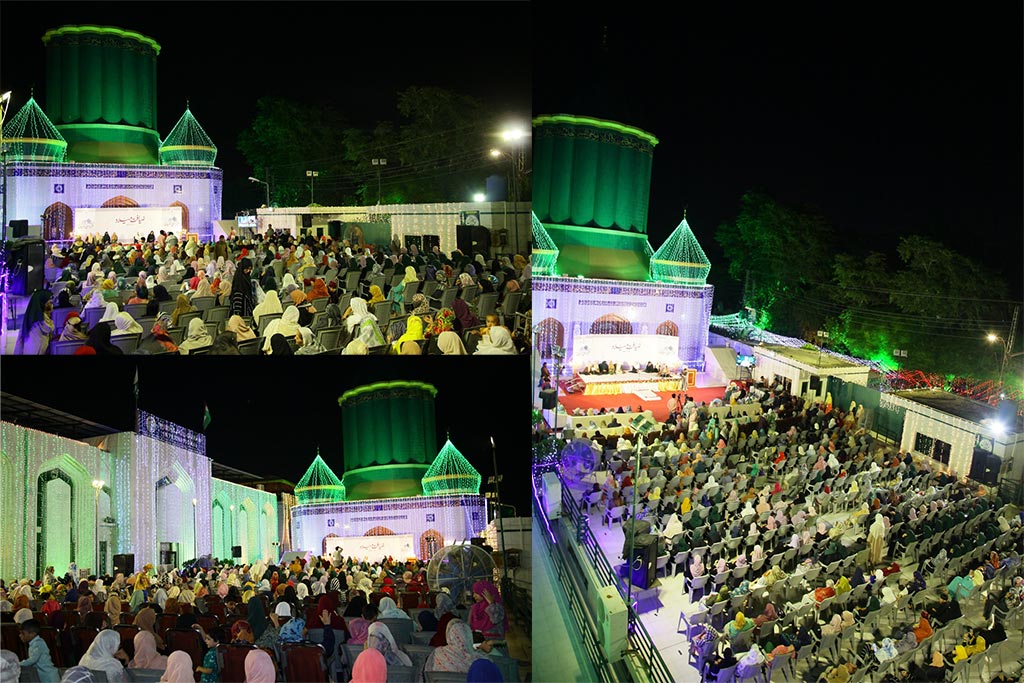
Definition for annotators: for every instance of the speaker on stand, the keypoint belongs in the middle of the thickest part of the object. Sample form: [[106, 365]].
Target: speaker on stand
[[124, 564]]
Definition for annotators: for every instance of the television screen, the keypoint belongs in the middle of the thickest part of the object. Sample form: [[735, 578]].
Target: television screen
[[745, 361], [246, 221]]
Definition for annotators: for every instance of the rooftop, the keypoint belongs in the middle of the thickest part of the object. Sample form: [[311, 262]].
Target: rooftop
[[25, 413], [959, 406], [808, 356]]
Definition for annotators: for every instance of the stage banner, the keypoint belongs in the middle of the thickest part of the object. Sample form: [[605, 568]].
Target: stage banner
[[127, 222], [373, 548], [635, 349]]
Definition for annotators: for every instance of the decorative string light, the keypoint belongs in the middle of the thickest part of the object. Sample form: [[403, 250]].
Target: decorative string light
[[132, 465], [450, 474], [319, 484], [433, 521], [545, 252], [577, 304], [30, 136], [188, 144], [680, 259]]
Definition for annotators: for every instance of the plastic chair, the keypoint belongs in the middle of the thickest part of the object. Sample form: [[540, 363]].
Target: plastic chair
[[128, 633], [128, 343], [233, 658], [186, 640], [305, 662], [401, 629]]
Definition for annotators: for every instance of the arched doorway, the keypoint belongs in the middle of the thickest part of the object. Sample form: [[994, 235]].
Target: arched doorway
[[242, 533], [379, 531], [668, 328], [220, 532], [329, 545], [611, 324], [58, 222], [55, 502], [551, 333], [120, 201], [184, 216], [430, 542]]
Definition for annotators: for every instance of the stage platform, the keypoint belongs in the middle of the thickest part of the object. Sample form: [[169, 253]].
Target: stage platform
[[659, 408], [628, 383]]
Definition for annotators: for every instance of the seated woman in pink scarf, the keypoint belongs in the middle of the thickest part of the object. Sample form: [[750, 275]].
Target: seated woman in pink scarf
[[488, 613]]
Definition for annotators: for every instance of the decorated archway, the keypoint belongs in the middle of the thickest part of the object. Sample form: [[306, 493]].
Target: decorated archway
[[58, 222], [430, 542], [184, 216], [668, 328], [120, 201], [328, 544], [611, 324], [551, 333], [379, 531]]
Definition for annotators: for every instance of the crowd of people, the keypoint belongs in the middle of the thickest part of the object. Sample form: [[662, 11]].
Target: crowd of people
[[149, 286], [798, 516], [72, 626]]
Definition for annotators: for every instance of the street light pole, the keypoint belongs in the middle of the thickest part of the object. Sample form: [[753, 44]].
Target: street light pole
[[379, 163], [97, 486], [311, 175], [263, 182], [501, 527]]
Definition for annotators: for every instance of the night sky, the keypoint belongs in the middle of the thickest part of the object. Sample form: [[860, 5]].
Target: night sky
[[891, 120], [268, 417], [223, 56]]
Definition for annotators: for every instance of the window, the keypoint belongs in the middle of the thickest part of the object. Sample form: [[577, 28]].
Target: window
[[923, 444], [942, 451]]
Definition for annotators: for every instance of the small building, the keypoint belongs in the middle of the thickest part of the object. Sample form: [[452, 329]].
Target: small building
[[964, 437]]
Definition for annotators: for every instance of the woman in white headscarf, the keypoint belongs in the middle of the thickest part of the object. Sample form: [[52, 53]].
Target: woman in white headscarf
[[198, 337], [450, 344], [356, 347], [287, 325], [271, 304], [362, 324], [497, 342], [109, 313], [100, 656], [124, 323], [459, 654], [301, 591], [876, 541], [287, 285]]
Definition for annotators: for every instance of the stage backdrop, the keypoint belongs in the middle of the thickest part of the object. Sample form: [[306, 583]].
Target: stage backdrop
[[636, 349], [126, 222], [372, 548]]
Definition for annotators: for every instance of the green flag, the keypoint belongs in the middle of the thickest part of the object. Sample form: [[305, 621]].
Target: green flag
[[206, 416]]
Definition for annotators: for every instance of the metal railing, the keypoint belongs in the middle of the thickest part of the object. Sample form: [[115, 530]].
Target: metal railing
[[640, 641], [593, 648]]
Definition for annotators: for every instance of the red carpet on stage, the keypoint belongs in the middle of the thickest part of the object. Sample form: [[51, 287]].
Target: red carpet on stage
[[660, 409]]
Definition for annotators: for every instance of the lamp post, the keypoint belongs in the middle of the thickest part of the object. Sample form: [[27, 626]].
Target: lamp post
[[642, 425], [267, 187], [97, 486], [379, 163], [311, 175], [195, 534], [820, 334], [501, 529], [1007, 344], [513, 137]]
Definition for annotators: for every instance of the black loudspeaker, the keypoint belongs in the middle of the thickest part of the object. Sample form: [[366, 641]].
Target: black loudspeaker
[[236, 551], [473, 239], [25, 263], [307, 220], [334, 230], [815, 383], [19, 228], [124, 564], [429, 242], [477, 541], [549, 399], [644, 564]]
